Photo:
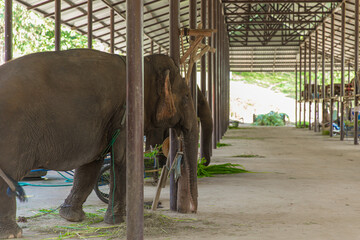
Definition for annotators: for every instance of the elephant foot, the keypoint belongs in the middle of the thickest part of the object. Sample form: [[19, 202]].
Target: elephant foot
[[109, 218], [72, 214], [10, 230]]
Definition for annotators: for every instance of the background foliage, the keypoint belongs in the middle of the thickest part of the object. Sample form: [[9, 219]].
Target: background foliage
[[285, 82], [33, 33]]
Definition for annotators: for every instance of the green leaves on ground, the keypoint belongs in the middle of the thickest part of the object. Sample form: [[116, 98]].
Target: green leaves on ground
[[211, 170]]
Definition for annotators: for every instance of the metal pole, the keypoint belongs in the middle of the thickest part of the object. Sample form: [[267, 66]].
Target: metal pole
[[57, 25], [8, 30], [203, 68], [316, 90], [310, 88], [305, 83], [296, 93], [135, 120], [217, 79], [112, 30], [356, 67], [193, 22], [214, 87], [89, 18], [300, 83], [342, 90], [174, 6], [323, 75], [332, 74], [151, 46], [210, 61], [203, 59]]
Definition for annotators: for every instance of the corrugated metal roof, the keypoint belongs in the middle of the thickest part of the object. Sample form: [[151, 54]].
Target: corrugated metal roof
[[263, 35]]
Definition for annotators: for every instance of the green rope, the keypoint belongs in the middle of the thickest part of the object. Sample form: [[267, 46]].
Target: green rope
[[109, 146], [103, 154]]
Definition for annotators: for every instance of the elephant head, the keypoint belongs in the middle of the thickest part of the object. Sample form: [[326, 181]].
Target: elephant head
[[157, 136], [171, 105]]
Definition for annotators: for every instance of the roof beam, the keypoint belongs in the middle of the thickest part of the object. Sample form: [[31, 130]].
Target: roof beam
[[278, 1]]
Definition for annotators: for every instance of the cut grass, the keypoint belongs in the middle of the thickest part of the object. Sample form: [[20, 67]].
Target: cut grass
[[226, 168], [219, 145], [155, 224], [245, 138], [248, 156]]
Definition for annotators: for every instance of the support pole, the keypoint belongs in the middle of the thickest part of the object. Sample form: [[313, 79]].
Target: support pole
[[90, 25], [296, 93], [316, 90], [203, 69], [193, 22], [203, 58], [356, 68], [210, 62], [8, 30], [214, 87], [174, 6], [310, 96], [323, 74], [332, 74], [342, 90], [305, 83], [112, 30], [300, 83], [57, 25], [134, 120]]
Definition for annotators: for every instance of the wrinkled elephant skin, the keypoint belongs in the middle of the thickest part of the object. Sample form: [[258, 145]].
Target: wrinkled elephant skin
[[59, 110]]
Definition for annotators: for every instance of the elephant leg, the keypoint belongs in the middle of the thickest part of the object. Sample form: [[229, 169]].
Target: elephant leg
[[84, 181], [8, 225], [116, 210]]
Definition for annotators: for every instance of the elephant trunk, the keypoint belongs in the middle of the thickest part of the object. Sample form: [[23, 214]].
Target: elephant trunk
[[204, 113], [187, 188]]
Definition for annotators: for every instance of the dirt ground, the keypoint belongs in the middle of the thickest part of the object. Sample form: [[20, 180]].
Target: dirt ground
[[302, 185]]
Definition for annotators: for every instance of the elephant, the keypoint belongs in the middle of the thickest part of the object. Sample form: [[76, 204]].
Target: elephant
[[157, 136], [60, 110]]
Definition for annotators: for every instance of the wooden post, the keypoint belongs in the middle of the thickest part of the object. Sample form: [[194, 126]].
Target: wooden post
[[300, 84], [342, 90], [296, 93], [332, 74], [193, 23], [89, 15], [135, 120], [356, 68], [112, 30], [57, 25], [305, 92], [316, 90], [214, 87], [175, 55], [8, 30], [210, 62], [310, 88], [323, 73]]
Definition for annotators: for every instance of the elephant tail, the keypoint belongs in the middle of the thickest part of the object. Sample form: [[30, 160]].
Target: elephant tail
[[14, 188]]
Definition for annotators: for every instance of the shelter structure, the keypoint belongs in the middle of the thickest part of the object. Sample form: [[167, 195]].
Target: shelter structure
[[307, 37]]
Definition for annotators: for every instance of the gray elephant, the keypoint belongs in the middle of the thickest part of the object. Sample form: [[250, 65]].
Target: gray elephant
[[59, 110], [157, 136]]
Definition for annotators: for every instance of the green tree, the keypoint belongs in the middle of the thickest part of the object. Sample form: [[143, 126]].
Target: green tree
[[33, 33]]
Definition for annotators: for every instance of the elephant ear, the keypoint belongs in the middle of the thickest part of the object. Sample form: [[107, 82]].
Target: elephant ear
[[166, 107]]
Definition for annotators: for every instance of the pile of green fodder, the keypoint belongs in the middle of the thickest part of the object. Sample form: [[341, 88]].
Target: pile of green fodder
[[271, 119], [211, 170]]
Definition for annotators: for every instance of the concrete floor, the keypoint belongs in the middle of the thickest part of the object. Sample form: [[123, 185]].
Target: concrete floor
[[303, 186]]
